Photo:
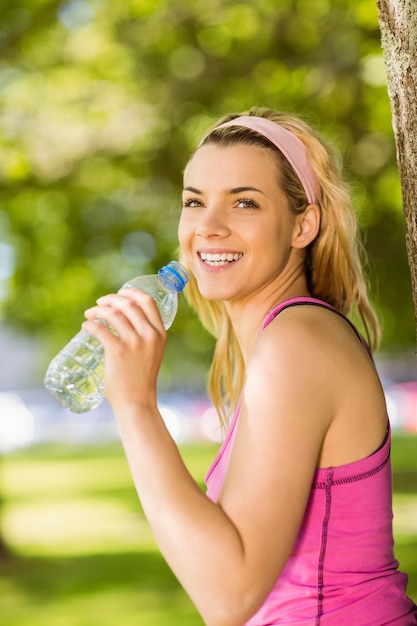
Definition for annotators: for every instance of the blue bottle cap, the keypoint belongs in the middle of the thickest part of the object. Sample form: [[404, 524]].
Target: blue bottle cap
[[175, 270]]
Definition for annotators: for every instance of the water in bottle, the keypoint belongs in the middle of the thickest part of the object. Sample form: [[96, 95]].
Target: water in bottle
[[75, 377]]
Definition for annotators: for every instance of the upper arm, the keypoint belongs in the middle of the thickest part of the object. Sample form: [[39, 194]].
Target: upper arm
[[283, 421]]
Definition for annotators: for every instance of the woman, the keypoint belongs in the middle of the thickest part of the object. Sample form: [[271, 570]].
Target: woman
[[295, 527]]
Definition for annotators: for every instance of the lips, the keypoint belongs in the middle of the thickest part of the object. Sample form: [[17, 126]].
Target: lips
[[220, 258]]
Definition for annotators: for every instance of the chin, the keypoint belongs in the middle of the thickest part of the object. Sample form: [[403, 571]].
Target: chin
[[215, 295]]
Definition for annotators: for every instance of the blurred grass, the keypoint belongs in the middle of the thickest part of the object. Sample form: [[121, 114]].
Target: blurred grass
[[84, 554]]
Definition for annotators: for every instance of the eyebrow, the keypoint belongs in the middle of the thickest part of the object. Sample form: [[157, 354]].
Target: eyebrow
[[233, 191], [193, 190]]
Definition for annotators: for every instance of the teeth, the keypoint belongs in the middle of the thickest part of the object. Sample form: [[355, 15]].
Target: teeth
[[220, 259]]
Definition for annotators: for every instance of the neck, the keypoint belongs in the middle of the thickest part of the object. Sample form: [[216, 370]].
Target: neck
[[247, 317]]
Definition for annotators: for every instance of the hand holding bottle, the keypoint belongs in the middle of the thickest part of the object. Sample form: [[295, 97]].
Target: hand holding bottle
[[75, 377], [135, 348]]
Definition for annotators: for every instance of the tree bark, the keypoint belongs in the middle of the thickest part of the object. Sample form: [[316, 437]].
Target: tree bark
[[398, 24]]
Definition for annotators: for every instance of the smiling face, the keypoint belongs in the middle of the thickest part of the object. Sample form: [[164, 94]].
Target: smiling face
[[236, 231]]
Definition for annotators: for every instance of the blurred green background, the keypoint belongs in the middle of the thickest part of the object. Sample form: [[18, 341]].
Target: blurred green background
[[101, 103]]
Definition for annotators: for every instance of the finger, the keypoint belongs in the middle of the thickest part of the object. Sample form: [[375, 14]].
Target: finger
[[115, 318], [135, 304], [128, 320], [101, 331]]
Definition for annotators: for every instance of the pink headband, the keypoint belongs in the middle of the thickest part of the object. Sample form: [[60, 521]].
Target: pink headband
[[289, 144]]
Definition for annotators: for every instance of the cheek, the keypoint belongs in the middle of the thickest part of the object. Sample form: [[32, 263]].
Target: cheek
[[184, 234]]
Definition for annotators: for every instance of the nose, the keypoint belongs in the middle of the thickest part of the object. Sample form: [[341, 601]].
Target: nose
[[212, 223]]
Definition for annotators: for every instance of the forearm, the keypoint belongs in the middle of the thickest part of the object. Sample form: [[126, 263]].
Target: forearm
[[200, 543]]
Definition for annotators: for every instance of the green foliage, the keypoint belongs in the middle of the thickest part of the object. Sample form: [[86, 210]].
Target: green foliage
[[101, 104]]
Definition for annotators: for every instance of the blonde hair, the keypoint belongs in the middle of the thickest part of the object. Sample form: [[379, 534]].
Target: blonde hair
[[334, 260]]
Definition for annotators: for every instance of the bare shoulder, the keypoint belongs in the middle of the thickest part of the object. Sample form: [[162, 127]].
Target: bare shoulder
[[310, 351], [294, 364], [311, 340], [307, 327]]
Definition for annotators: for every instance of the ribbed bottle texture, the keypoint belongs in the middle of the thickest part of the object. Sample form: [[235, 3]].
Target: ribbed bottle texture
[[75, 377]]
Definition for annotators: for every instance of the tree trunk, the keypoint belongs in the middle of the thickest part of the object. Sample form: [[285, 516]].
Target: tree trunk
[[398, 24]]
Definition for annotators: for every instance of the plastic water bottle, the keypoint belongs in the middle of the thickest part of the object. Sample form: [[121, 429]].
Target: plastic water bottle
[[75, 377]]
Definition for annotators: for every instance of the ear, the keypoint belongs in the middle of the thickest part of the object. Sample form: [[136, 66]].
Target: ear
[[306, 227]]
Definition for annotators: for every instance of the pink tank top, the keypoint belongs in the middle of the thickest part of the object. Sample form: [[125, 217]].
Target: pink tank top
[[342, 569]]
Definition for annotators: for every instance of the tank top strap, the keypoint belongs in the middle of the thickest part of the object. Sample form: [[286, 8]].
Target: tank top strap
[[303, 300]]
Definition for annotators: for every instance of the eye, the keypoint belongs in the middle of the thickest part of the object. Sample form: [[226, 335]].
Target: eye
[[247, 203], [191, 203]]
